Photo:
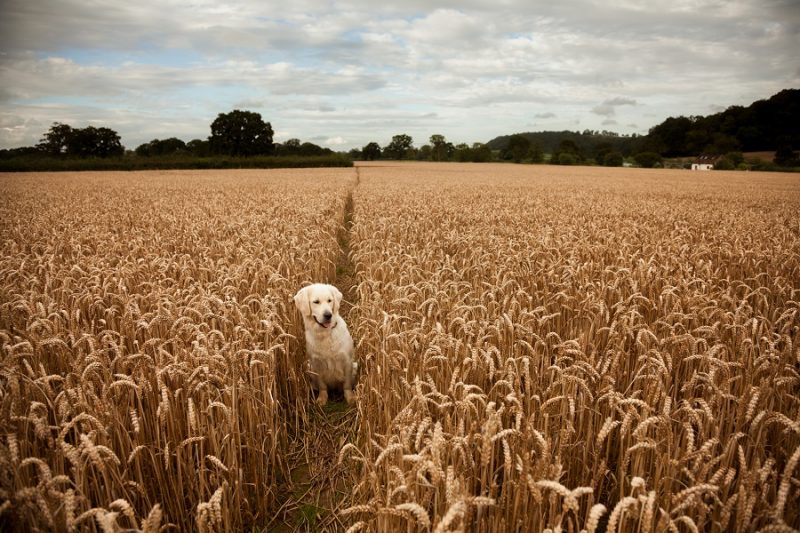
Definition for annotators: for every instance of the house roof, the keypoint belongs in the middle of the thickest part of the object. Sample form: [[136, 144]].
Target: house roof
[[706, 159]]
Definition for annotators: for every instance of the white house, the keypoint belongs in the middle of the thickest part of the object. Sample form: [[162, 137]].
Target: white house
[[705, 162]]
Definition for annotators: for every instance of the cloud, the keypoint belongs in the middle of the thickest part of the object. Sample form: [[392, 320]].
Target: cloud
[[618, 101], [604, 110], [609, 107], [360, 70]]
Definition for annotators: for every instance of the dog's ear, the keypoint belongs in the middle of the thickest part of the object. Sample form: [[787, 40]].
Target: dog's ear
[[337, 299], [302, 301]]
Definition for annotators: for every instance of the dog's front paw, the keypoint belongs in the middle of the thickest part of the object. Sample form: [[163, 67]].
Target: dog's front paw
[[349, 397], [322, 399]]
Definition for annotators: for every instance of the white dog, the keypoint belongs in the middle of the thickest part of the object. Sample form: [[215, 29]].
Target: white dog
[[329, 345]]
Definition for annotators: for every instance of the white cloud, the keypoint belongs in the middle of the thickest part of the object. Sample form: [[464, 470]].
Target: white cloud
[[361, 71]]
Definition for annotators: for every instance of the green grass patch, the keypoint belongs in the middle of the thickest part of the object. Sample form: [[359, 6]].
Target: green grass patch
[[130, 163]]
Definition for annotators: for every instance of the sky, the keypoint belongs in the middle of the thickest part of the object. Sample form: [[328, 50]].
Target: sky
[[344, 73]]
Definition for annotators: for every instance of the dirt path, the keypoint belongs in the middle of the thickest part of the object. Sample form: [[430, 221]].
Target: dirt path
[[319, 486]]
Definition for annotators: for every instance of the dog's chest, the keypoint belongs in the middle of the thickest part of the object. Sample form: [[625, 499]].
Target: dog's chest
[[325, 344]]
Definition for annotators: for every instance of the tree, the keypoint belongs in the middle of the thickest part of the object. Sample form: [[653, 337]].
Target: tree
[[158, 147], [535, 153], [566, 158], [64, 140], [290, 147], [371, 151], [439, 147], [570, 150], [723, 144], [308, 149], [424, 152], [723, 163], [613, 159], [517, 149], [199, 148], [241, 133], [56, 141], [648, 159], [481, 153], [601, 149], [670, 136], [399, 147], [95, 142]]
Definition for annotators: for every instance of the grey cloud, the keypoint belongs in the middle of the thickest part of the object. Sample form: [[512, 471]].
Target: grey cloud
[[603, 110], [609, 107], [620, 101], [602, 61]]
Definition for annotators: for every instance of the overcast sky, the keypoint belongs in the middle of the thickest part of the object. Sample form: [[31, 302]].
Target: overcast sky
[[342, 74]]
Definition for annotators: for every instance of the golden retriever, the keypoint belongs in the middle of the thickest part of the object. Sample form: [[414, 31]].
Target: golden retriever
[[329, 346]]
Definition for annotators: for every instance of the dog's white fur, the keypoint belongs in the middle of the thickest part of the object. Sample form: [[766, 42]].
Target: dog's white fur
[[329, 346]]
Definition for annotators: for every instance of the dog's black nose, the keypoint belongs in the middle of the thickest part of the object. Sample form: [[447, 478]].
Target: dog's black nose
[[327, 315]]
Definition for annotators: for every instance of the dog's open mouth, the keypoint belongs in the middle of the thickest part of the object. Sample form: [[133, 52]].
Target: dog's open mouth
[[325, 324]]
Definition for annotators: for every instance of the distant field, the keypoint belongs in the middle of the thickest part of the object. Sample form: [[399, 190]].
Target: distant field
[[764, 156], [541, 347]]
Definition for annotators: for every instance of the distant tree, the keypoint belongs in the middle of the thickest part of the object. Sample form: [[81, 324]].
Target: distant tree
[[288, 147], [399, 147], [55, 142], [723, 163], [535, 153], [308, 149], [371, 151], [424, 152], [613, 159], [570, 147], [158, 147], [23, 151], [697, 141], [567, 158], [669, 137], [749, 136], [241, 133], [481, 153], [517, 149], [95, 142], [648, 159], [723, 144], [63, 140], [440, 148], [199, 148], [737, 158], [601, 149], [785, 154]]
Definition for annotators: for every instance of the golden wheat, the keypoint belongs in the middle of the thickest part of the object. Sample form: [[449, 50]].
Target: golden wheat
[[541, 348], [584, 343], [149, 353]]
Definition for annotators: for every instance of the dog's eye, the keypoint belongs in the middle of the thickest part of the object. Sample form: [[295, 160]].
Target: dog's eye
[[329, 300], [316, 301]]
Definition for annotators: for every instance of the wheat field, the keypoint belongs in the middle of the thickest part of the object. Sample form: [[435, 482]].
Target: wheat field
[[542, 349]]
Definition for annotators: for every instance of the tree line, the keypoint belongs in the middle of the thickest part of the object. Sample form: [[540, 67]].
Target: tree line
[[439, 149], [765, 125], [234, 134], [517, 148]]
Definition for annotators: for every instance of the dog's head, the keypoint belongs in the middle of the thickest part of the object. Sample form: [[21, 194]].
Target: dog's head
[[319, 302]]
